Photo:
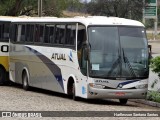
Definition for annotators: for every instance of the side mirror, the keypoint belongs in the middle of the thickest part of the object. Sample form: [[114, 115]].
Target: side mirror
[[150, 51]]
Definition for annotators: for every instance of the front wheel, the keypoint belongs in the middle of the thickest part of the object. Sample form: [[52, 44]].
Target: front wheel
[[2, 75], [74, 92], [25, 82], [123, 101]]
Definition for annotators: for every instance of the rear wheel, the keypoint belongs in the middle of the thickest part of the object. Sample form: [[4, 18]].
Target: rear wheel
[[123, 101], [2, 75], [25, 81]]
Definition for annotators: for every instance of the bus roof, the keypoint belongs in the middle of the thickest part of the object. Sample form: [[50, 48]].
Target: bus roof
[[90, 20]]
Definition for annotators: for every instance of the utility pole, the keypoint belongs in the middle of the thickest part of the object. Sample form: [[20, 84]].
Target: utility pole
[[39, 8], [156, 20]]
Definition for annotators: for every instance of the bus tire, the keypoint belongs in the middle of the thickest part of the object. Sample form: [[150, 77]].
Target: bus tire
[[74, 92], [123, 101], [25, 81], [2, 75]]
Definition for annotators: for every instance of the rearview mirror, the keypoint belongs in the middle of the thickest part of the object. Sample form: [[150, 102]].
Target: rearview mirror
[[150, 51]]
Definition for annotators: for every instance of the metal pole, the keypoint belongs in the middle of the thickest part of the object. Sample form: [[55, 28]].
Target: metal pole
[[39, 8], [155, 23]]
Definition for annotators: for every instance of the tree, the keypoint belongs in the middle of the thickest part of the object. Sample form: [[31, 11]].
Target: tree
[[17, 7], [30, 7], [118, 8], [74, 5]]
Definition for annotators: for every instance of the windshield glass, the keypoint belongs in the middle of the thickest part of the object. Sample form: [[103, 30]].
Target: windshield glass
[[118, 52]]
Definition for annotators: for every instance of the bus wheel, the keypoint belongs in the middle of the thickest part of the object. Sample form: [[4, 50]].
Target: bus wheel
[[25, 82], [74, 92], [2, 76], [123, 101]]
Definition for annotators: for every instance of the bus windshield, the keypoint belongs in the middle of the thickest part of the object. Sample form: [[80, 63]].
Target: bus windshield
[[118, 52]]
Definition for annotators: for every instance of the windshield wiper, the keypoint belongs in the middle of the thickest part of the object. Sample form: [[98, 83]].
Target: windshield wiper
[[117, 62], [128, 63]]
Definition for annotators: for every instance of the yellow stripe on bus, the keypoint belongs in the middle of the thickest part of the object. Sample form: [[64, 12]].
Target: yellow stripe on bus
[[4, 62]]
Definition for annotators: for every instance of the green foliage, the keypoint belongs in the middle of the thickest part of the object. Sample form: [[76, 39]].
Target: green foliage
[[149, 23], [74, 5], [17, 7], [30, 7], [119, 8], [155, 65], [153, 96]]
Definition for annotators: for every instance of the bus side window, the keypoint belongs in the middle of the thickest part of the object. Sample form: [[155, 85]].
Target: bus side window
[[4, 32], [49, 34], [20, 33], [39, 33], [60, 34], [70, 35], [29, 33], [46, 35], [0, 32], [57, 31]]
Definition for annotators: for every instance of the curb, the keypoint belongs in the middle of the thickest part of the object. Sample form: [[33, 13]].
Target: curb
[[153, 41], [147, 102]]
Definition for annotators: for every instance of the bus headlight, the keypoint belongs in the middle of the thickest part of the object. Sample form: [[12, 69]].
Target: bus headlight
[[96, 86], [142, 86]]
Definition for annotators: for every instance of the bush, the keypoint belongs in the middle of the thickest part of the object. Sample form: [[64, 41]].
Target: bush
[[155, 65], [153, 96]]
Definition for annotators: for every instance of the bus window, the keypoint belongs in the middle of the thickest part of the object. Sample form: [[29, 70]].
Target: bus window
[[41, 33], [0, 32], [37, 34], [60, 34], [46, 35], [39, 30], [49, 33], [4, 32], [21, 33], [29, 33], [70, 35]]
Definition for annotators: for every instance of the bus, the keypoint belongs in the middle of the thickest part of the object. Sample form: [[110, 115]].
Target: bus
[[94, 57], [4, 48]]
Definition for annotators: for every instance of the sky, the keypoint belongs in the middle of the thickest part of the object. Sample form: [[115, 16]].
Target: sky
[[85, 0]]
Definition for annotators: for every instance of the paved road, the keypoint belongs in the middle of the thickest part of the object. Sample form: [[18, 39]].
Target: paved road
[[14, 98]]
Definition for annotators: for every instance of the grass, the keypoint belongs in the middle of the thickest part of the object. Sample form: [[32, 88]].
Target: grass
[[150, 36], [153, 96]]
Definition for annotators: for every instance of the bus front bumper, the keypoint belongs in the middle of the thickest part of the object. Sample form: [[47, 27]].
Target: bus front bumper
[[117, 93]]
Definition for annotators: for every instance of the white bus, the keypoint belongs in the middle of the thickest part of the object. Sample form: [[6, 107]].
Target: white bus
[[93, 57], [4, 48]]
